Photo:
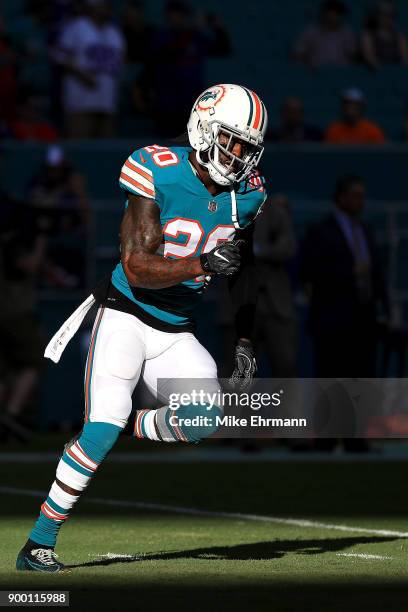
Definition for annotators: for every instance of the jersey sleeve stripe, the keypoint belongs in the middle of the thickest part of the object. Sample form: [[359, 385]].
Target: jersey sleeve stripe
[[127, 171], [145, 172], [127, 181], [135, 163]]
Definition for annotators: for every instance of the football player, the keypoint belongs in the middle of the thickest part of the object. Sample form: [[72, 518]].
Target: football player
[[188, 217]]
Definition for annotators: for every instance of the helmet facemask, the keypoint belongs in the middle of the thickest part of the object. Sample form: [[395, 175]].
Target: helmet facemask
[[232, 169]]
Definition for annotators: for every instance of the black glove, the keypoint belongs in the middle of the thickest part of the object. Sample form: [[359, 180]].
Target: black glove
[[223, 259], [245, 365]]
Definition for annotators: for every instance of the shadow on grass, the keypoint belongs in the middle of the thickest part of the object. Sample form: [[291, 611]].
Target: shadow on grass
[[260, 551]]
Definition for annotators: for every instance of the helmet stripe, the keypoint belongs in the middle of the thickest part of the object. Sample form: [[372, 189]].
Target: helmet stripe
[[258, 111], [263, 115], [251, 106]]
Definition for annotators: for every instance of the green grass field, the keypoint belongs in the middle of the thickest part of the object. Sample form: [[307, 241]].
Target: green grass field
[[196, 562]]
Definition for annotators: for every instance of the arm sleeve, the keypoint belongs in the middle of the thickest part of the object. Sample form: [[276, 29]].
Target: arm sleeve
[[243, 287], [136, 176]]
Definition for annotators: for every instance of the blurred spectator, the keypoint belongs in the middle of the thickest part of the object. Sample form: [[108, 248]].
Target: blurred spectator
[[330, 41], [8, 75], [137, 32], [174, 73], [57, 186], [353, 127], [58, 195], [30, 123], [381, 42], [342, 273], [22, 255], [292, 126], [91, 51], [276, 324]]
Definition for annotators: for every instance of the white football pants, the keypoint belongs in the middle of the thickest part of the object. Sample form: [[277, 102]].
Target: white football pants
[[123, 348]]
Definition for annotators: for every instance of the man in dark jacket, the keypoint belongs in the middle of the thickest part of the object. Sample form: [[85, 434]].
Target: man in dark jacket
[[341, 269]]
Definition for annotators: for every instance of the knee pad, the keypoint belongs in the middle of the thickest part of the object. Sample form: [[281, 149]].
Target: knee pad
[[112, 403], [203, 421], [124, 355]]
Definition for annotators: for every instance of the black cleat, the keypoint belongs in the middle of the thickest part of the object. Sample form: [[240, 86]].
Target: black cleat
[[38, 560]]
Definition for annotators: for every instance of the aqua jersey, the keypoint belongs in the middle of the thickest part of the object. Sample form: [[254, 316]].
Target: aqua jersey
[[193, 222]]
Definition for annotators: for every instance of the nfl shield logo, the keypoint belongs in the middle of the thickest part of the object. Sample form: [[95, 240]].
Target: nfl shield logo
[[212, 206]]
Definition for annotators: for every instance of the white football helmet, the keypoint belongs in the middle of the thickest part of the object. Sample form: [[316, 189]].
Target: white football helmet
[[237, 115]]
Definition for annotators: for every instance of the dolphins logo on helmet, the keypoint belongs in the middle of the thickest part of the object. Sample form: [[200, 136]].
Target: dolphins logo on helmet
[[210, 98]]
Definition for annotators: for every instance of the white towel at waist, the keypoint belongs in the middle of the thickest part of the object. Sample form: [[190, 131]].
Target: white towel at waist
[[59, 341]]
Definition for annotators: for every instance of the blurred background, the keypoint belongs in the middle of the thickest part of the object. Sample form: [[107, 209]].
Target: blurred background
[[83, 84]]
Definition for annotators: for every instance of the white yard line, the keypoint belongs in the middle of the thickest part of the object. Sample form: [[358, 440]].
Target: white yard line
[[116, 556], [364, 556], [102, 501]]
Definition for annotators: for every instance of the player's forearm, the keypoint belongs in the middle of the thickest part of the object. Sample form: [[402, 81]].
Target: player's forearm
[[156, 272]]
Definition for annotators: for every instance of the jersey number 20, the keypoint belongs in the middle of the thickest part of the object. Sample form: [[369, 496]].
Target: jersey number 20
[[193, 232]]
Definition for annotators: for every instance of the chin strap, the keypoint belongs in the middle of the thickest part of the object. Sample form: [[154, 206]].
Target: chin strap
[[234, 209]]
